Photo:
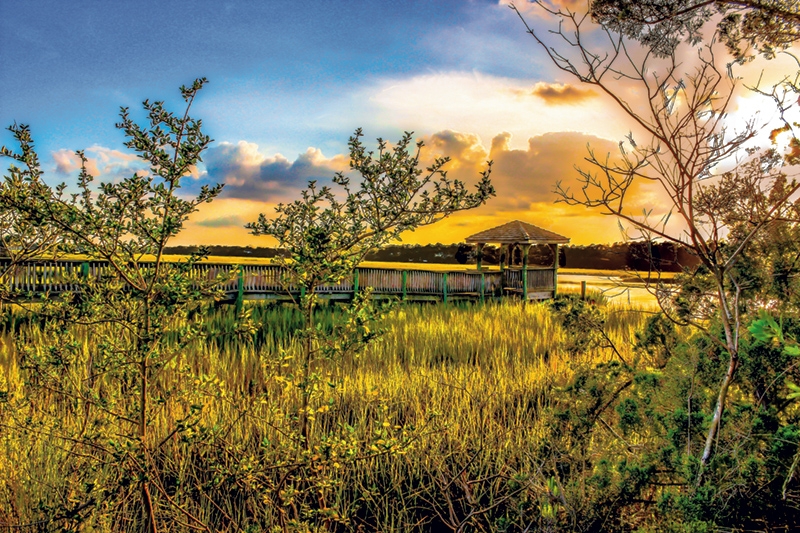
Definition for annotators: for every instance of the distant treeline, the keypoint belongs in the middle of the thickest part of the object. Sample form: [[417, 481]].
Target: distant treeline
[[666, 257]]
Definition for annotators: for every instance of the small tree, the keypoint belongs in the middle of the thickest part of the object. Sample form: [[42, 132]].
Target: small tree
[[133, 304], [330, 230], [681, 141]]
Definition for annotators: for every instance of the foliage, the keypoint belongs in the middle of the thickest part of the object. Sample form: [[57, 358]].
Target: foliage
[[766, 25], [326, 234], [471, 417], [625, 442]]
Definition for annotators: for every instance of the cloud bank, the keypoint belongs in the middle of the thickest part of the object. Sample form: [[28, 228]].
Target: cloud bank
[[524, 178]]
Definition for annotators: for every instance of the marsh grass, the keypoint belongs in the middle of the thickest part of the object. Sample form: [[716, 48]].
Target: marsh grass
[[434, 422]]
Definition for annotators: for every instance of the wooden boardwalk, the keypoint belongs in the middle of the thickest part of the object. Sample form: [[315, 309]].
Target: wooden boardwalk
[[34, 280]]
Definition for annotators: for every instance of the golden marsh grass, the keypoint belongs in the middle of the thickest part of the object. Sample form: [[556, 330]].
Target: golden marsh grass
[[447, 388]]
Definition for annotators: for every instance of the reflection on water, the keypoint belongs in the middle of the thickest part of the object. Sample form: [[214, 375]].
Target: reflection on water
[[614, 288]]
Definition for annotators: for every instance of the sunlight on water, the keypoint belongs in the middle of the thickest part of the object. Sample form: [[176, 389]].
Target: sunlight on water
[[613, 287]]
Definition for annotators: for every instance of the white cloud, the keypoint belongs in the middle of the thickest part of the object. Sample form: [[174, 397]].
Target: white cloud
[[66, 161], [484, 105], [247, 173], [101, 162]]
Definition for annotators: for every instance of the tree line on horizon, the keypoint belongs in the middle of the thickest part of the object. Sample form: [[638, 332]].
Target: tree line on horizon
[[633, 255]]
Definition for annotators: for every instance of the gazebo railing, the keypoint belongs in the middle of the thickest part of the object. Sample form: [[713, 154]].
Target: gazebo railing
[[541, 279]]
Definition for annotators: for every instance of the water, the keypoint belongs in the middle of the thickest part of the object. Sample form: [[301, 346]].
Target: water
[[616, 288]]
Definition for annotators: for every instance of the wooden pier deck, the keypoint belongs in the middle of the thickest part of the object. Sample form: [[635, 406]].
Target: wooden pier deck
[[42, 279]]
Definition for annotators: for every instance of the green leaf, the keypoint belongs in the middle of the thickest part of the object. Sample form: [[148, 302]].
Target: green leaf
[[795, 391]]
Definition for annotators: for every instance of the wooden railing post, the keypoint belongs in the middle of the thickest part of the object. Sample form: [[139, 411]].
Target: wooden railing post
[[483, 285], [444, 287], [85, 270], [355, 282], [240, 289], [405, 284]]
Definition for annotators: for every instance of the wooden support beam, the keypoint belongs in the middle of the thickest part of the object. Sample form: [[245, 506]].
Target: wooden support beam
[[555, 269], [526, 248], [479, 253]]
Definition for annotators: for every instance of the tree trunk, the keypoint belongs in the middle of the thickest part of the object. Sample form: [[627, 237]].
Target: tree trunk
[[731, 339]]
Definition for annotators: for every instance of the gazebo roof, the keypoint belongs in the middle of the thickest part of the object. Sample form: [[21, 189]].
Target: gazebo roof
[[517, 232]]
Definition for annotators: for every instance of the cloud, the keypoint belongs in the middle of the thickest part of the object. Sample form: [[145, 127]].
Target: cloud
[[247, 173], [525, 180], [463, 149], [484, 105], [66, 161], [561, 94], [521, 176], [101, 162]]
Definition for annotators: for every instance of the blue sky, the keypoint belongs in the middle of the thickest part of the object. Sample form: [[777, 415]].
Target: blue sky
[[288, 84], [278, 70]]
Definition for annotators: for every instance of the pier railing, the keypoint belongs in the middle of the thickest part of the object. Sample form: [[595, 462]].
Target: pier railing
[[39, 279]]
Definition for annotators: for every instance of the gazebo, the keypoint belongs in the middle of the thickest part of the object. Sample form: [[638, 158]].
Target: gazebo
[[523, 235]]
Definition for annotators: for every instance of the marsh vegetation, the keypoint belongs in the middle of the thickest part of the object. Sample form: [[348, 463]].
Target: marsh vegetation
[[552, 416]]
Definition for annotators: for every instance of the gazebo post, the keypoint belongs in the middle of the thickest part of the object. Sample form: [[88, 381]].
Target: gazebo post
[[555, 269], [503, 255], [479, 253], [526, 248]]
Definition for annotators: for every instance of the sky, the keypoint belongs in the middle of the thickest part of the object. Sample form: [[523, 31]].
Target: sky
[[289, 83]]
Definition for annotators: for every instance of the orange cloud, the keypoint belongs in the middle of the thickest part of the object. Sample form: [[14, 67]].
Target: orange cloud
[[525, 180], [561, 94]]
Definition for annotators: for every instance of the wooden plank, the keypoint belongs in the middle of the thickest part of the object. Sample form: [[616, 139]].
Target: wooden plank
[[540, 295]]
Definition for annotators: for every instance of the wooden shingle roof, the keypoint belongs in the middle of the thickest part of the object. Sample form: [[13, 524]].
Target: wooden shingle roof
[[517, 232]]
